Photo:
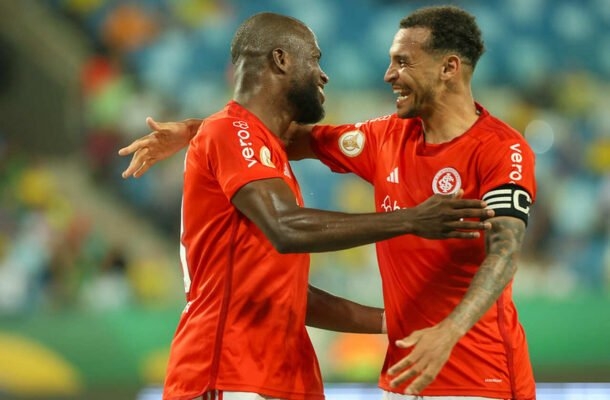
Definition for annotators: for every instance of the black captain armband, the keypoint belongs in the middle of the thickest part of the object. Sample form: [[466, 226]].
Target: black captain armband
[[509, 201]]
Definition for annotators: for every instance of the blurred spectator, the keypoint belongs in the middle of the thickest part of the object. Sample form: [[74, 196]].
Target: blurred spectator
[[108, 288]]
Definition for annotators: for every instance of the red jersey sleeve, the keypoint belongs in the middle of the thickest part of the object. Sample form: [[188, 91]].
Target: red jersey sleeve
[[351, 147], [236, 153], [507, 175]]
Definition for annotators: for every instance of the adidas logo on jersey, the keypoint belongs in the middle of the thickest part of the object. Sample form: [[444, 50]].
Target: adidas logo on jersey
[[393, 177]]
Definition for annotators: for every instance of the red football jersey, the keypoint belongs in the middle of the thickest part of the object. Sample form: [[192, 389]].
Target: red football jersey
[[423, 280], [243, 328]]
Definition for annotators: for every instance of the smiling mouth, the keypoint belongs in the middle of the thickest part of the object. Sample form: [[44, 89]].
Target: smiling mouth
[[402, 95], [322, 95]]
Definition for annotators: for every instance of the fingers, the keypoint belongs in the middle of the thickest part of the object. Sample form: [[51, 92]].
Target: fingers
[[469, 225], [143, 168], [404, 376], [467, 203], [467, 229], [472, 213], [460, 215], [399, 366], [133, 168], [140, 162], [408, 368], [407, 342], [462, 235], [404, 370], [138, 165], [457, 202], [406, 362], [152, 124], [143, 141], [458, 194], [131, 148], [420, 383]]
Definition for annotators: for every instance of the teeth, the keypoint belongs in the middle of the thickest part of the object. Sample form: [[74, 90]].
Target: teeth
[[400, 95]]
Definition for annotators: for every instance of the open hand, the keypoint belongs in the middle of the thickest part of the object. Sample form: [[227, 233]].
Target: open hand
[[443, 217], [165, 139], [431, 349]]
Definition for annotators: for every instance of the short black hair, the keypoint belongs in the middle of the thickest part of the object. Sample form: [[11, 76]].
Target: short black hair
[[451, 29], [261, 33]]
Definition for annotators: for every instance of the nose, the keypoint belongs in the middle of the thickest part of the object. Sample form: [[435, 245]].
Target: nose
[[324, 77], [390, 74]]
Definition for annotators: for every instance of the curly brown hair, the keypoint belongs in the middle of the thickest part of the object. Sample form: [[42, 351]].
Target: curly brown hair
[[451, 28]]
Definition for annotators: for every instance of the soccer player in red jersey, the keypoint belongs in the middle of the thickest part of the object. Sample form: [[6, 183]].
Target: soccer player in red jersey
[[245, 233], [451, 321]]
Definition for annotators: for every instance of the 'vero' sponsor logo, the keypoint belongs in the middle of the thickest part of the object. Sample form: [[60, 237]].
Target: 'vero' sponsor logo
[[516, 158], [244, 141]]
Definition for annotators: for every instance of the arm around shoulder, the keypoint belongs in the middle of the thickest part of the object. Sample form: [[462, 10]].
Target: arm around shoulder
[[272, 206]]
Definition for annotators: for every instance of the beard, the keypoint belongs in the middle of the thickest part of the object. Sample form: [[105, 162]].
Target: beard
[[305, 98]]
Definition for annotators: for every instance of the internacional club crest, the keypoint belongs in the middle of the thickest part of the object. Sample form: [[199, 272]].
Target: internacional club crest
[[446, 181], [351, 143]]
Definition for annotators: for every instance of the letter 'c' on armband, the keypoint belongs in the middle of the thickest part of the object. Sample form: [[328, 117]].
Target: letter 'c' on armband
[[509, 201]]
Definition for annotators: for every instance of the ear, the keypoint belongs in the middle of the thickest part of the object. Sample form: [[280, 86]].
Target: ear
[[280, 59], [451, 66]]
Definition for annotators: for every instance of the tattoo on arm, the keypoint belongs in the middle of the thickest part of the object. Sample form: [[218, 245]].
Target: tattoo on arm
[[503, 244]]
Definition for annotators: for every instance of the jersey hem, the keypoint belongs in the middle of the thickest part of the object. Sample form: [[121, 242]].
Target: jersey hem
[[477, 392], [252, 389]]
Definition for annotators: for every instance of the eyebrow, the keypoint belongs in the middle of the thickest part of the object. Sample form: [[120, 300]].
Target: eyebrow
[[400, 56]]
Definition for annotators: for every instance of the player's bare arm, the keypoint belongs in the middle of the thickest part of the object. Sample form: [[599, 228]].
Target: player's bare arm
[[432, 346], [271, 205], [330, 312], [503, 243], [166, 139]]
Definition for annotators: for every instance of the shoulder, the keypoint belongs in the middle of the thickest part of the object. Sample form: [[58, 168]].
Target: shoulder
[[387, 122], [224, 127], [390, 126], [492, 132]]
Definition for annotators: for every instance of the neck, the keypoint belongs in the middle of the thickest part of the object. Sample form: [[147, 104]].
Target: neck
[[265, 99], [451, 117]]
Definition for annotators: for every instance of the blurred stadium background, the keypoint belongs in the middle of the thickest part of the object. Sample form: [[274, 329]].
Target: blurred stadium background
[[90, 286]]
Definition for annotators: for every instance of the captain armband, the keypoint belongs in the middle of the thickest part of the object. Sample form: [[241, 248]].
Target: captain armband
[[509, 201]]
